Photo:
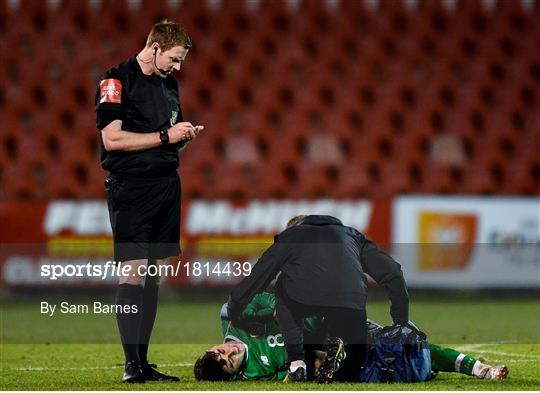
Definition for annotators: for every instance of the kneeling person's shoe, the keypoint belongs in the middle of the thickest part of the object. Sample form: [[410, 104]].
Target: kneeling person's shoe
[[298, 375], [133, 373], [335, 354], [151, 374]]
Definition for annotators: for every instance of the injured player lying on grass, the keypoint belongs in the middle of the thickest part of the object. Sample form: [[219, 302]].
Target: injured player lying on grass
[[253, 349]]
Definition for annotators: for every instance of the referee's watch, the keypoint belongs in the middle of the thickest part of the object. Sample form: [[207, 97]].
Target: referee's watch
[[164, 136]]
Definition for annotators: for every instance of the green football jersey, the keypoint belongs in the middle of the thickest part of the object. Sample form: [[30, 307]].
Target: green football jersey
[[265, 348]]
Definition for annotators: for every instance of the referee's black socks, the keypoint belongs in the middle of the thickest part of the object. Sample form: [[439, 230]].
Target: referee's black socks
[[130, 297], [149, 308]]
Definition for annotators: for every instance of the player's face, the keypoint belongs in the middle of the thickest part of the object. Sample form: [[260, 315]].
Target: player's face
[[230, 354], [171, 60]]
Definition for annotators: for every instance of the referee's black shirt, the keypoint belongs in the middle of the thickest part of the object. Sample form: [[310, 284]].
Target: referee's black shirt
[[144, 103]]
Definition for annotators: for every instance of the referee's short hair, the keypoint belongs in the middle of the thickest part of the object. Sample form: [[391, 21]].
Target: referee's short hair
[[168, 34]]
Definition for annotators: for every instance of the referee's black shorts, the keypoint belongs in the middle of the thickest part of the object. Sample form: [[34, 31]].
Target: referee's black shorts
[[145, 216]]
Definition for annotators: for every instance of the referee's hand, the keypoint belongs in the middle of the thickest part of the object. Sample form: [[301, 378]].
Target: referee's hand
[[183, 132]]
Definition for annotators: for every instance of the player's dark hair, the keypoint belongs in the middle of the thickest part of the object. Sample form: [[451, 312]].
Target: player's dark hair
[[295, 220], [168, 34], [208, 368]]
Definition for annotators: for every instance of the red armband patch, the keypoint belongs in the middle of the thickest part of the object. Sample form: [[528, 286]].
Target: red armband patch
[[110, 91]]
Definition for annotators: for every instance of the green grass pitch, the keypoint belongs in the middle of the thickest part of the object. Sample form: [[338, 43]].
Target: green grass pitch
[[497, 331]]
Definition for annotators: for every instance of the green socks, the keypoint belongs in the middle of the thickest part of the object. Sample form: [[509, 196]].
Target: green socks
[[450, 360]]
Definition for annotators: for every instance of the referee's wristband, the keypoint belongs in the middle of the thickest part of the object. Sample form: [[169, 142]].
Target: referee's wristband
[[164, 136]]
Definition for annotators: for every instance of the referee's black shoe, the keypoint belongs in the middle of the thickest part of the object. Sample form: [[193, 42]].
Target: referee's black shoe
[[133, 373], [151, 374]]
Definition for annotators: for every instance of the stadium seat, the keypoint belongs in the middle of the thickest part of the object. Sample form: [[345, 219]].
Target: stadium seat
[[324, 147], [33, 151], [231, 180], [93, 185], [204, 155], [314, 180], [74, 148], [522, 178], [61, 182], [19, 182], [478, 179], [354, 181], [427, 70], [528, 146], [286, 149], [394, 179], [271, 181], [408, 148], [195, 182], [369, 147], [437, 179]]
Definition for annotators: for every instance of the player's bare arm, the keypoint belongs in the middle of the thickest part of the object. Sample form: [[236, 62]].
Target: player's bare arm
[[115, 138]]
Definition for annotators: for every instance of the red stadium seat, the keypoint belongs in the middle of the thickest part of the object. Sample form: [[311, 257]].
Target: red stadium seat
[[478, 179], [426, 71], [313, 181], [19, 182], [354, 181], [205, 155], [366, 147], [75, 148], [195, 182], [394, 178], [230, 181], [520, 178], [93, 187], [339, 125], [285, 149], [528, 146], [408, 148], [33, 150], [61, 182], [271, 181], [437, 179]]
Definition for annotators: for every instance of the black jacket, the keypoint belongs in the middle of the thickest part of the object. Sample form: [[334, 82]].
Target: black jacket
[[322, 263]]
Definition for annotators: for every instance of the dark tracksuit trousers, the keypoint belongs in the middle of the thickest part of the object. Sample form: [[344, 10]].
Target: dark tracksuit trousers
[[346, 323]]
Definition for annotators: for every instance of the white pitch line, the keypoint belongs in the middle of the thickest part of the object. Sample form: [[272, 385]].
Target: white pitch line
[[191, 364], [87, 368], [518, 355], [504, 361], [474, 348], [464, 348], [469, 347], [182, 365], [491, 344]]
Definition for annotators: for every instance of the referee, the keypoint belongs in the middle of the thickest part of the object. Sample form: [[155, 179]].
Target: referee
[[142, 130]]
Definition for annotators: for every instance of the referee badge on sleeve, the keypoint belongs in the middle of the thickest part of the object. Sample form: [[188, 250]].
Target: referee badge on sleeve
[[110, 91]]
